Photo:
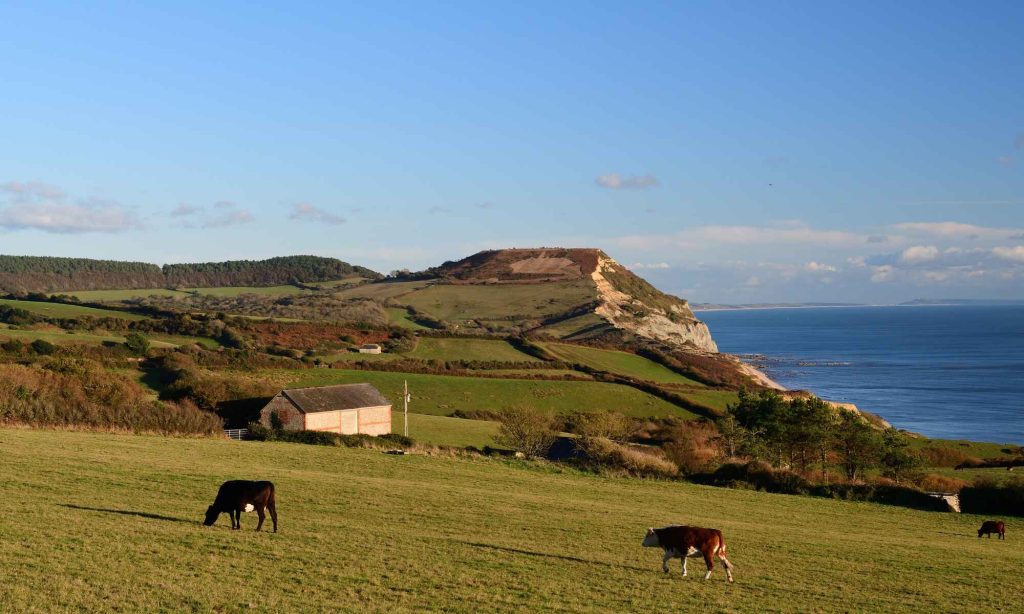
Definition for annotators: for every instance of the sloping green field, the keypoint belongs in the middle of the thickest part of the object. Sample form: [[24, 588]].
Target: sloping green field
[[454, 302], [468, 349], [621, 363], [99, 522], [61, 310], [443, 394]]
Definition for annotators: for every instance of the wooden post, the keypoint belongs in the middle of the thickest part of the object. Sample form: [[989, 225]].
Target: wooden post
[[405, 400]]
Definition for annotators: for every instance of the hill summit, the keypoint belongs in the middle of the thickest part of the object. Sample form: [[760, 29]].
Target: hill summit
[[625, 301]]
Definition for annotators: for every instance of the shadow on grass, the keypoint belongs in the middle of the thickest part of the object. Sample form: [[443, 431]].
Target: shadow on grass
[[128, 513], [546, 555]]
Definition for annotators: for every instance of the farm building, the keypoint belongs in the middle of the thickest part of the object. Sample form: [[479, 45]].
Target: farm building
[[370, 348], [347, 409]]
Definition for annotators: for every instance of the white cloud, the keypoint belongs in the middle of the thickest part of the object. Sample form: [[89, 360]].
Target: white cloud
[[1014, 254], [882, 273], [955, 230], [753, 281], [613, 181], [652, 265], [704, 236], [39, 206], [919, 253], [306, 212], [818, 267]]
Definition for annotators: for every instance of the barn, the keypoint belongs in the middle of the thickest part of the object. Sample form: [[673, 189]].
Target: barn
[[347, 409]]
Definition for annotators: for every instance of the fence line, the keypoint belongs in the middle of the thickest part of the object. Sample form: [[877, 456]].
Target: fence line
[[238, 434]]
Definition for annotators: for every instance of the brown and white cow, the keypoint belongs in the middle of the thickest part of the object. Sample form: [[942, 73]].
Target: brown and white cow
[[682, 542]]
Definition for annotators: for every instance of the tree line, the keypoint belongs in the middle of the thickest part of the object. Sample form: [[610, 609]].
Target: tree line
[[51, 274]]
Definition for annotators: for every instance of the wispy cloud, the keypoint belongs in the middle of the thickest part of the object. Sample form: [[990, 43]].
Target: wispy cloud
[[40, 206], [1015, 253], [919, 253], [183, 210], [956, 230], [305, 212], [221, 214], [703, 236], [613, 181], [818, 267], [650, 265]]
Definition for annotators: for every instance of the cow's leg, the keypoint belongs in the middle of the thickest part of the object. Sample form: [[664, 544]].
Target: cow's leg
[[273, 513], [259, 512], [665, 559], [709, 562], [727, 565], [684, 566], [238, 520]]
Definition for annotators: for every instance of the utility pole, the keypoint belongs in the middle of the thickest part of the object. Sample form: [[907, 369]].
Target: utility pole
[[405, 399]]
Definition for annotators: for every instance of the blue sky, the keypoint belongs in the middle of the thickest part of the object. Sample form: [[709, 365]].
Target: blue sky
[[730, 152]]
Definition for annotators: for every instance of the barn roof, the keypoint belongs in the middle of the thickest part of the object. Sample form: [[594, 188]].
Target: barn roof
[[333, 398]]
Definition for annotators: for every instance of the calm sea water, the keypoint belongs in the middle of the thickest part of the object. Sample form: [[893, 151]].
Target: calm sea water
[[954, 372]]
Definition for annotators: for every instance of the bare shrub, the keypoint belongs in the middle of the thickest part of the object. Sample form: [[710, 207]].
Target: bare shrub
[[630, 460], [526, 430], [942, 456], [604, 424], [941, 483], [694, 446]]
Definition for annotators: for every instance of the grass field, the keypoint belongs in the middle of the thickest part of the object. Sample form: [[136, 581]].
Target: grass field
[[442, 394], [113, 296], [61, 310], [621, 363], [100, 522], [61, 337], [430, 348], [382, 291], [400, 317], [231, 291], [460, 302], [446, 431], [578, 327]]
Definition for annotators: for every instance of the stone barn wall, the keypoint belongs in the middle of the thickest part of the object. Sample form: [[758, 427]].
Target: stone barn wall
[[290, 415]]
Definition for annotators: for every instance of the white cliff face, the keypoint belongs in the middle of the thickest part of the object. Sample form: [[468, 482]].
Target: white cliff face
[[683, 329]]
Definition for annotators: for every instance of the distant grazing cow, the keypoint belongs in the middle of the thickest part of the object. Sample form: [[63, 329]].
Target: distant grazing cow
[[681, 542], [237, 496], [993, 526]]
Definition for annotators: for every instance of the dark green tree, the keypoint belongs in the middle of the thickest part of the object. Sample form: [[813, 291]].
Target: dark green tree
[[137, 343]]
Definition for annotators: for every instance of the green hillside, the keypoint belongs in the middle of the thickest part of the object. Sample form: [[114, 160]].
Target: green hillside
[[621, 363], [443, 394], [99, 522]]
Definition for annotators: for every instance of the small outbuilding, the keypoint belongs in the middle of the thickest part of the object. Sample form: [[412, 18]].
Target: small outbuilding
[[370, 348], [347, 409]]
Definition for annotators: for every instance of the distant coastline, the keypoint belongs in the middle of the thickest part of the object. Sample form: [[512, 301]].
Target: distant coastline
[[918, 302]]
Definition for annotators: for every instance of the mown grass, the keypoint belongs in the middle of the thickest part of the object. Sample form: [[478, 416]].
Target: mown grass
[[382, 290], [443, 394], [62, 310], [430, 348], [621, 363], [100, 522], [445, 430], [456, 303]]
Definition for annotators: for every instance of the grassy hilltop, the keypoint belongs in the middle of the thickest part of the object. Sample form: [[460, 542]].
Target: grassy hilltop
[[103, 522]]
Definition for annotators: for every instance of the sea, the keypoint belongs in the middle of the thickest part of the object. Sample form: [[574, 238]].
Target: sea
[[953, 372]]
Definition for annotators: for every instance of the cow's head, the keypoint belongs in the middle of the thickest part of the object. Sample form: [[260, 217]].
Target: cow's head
[[651, 539], [211, 516]]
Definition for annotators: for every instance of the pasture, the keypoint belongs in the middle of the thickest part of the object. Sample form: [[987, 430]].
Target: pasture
[[441, 348], [621, 363], [441, 395], [101, 522], [62, 310], [456, 303], [62, 337]]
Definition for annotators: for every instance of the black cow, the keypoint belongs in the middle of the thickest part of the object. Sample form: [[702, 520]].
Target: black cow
[[237, 496], [993, 526]]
